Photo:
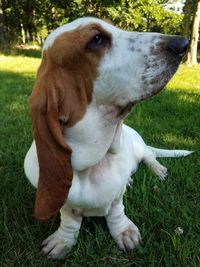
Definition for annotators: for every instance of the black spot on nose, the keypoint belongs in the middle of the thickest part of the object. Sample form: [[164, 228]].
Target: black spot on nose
[[178, 45]]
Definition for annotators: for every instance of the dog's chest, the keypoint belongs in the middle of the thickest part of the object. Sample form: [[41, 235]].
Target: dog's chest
[[91, 138], [93, 191], [100, 176]]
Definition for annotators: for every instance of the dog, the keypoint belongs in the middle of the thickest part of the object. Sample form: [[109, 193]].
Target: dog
[[82, 156]]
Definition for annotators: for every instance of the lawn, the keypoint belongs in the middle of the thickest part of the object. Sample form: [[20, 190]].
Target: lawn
[[169, 120]]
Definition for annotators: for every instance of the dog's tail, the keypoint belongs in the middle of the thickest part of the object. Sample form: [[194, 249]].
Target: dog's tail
[[167, 153]]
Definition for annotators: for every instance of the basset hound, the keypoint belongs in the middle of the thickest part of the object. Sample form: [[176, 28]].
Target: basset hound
[[90, 77]]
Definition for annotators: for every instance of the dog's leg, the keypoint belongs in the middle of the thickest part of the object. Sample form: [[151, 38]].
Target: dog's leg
[[122, 229], [150, 159], [156, 167], [57, 245]]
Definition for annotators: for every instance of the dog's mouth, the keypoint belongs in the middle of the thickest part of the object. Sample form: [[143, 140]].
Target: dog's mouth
[[151, 85]]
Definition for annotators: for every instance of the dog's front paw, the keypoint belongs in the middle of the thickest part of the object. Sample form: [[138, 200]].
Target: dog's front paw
[[128, 239], [55, 247]]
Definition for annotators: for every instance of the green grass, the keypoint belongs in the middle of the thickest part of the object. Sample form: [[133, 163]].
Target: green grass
[[169, 120]]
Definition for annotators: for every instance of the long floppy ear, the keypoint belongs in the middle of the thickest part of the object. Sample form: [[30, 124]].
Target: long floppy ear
[[54, 103]]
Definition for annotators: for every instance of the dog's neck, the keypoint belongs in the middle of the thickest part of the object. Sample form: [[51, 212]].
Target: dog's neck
[[98, 133], [114, 113]]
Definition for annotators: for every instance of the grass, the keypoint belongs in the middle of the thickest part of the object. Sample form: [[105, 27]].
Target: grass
[[169, 120]]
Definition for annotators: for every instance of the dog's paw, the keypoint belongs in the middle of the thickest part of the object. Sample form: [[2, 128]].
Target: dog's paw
[[161, 171], [128, 239], [156, 167], [55, 247]]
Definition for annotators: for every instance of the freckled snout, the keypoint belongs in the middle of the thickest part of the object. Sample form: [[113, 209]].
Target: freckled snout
[[162, 63], [178, 45]]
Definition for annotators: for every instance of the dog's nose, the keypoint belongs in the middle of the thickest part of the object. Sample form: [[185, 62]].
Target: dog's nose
[[178, 45]]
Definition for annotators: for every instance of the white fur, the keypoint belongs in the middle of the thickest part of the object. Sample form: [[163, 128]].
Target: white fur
[[105, 151]]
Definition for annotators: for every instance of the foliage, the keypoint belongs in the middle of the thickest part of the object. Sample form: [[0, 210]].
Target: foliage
[[145, 16], [31, 20]]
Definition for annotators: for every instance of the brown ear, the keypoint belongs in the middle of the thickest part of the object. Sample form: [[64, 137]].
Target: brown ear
[[51, 102]]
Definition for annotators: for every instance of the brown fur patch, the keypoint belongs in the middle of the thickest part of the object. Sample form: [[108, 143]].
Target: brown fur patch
[[62, 91]]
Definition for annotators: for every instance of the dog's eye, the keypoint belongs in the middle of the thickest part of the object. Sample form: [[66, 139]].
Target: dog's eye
[[98, 41]]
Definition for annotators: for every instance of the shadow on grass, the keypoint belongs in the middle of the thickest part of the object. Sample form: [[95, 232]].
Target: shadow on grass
[[35, 53], [170, 119], [14, 84], [14, 113], [14, 90]]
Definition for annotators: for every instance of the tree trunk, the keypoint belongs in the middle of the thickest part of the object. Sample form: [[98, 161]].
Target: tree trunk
[[191, 58], [4, 29], [188, 11], [23, 35]]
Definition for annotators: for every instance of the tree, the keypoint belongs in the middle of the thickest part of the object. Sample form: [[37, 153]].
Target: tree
[[23, 21], [191, 57], [188, 10]]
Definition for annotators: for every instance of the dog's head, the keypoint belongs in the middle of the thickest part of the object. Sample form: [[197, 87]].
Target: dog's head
[[90, 59]]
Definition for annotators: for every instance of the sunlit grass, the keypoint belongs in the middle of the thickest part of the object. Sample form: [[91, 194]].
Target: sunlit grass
[[169, 120], [19, 64], [187, 78]]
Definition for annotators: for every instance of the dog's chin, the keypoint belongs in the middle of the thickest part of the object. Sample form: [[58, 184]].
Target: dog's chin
[[156, 83]]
